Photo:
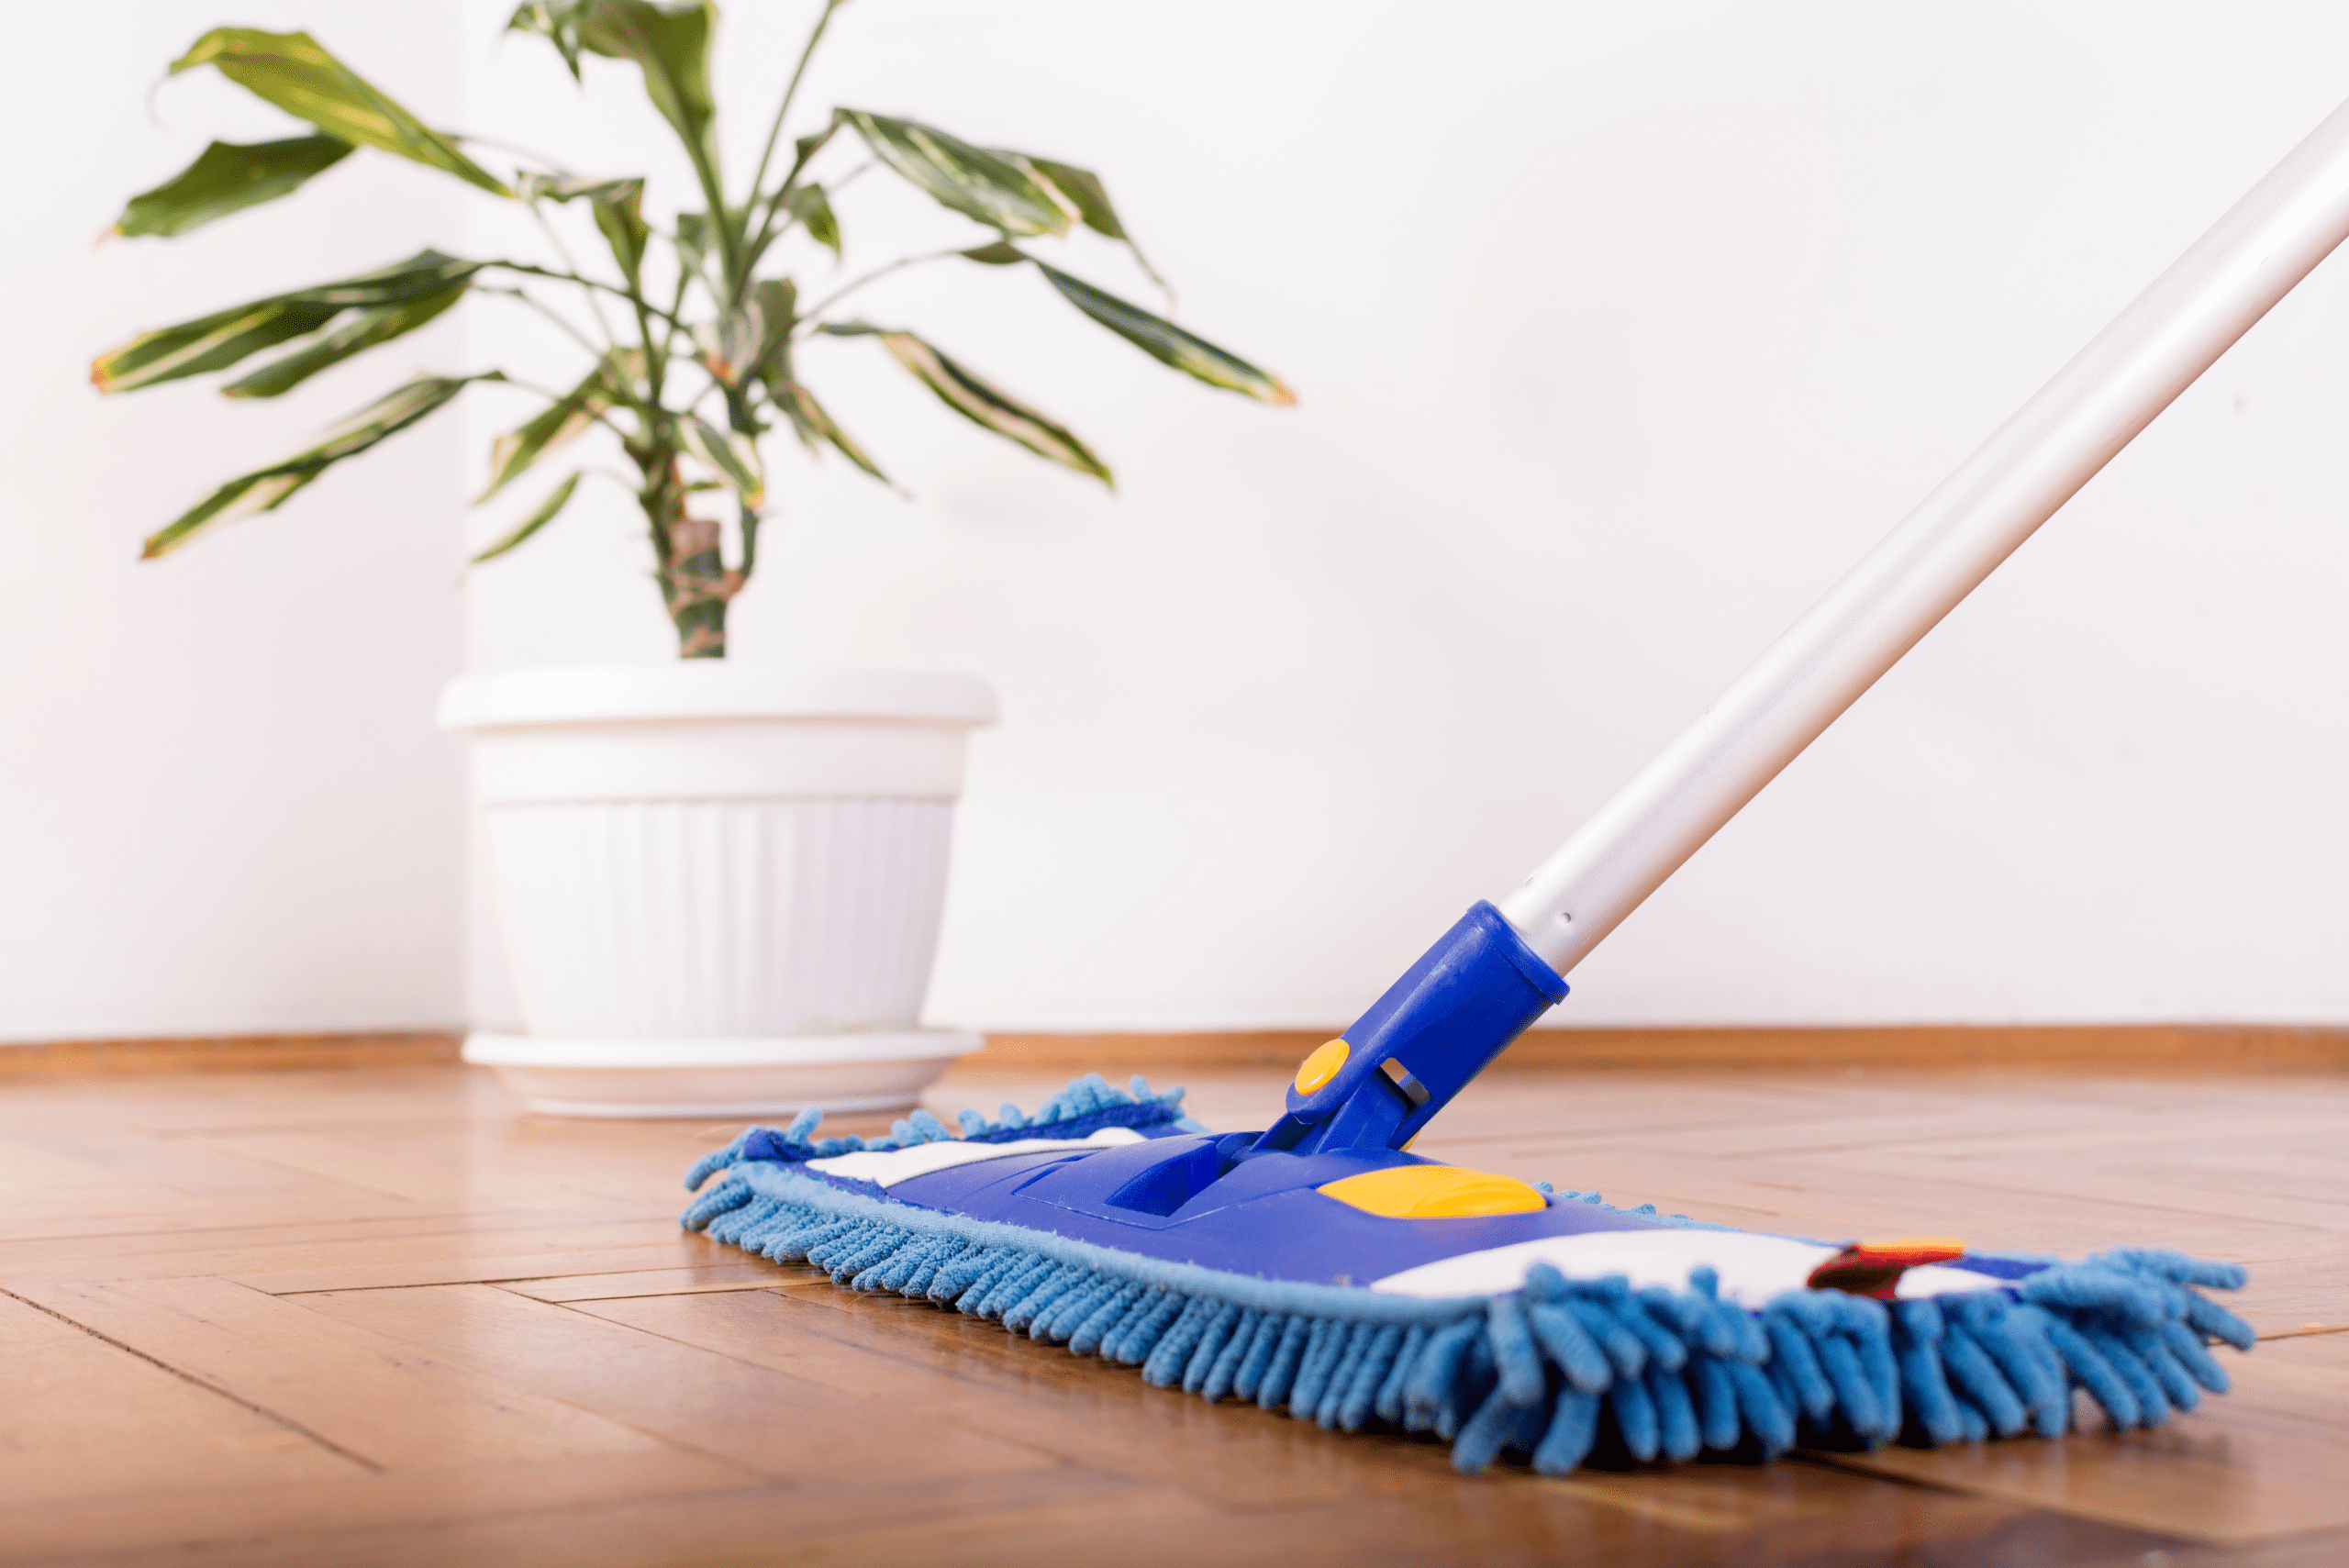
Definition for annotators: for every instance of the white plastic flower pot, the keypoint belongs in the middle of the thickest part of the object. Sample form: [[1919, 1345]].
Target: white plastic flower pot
[[719, 885]]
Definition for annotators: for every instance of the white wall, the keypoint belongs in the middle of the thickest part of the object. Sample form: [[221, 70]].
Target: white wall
[[1619, 332], [222, 806]]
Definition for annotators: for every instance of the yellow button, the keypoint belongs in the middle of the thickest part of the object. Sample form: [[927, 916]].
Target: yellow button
[[1322, 1065], [1433, 1192]]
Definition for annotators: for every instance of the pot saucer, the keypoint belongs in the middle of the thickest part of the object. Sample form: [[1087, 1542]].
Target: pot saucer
[[729, 1077]]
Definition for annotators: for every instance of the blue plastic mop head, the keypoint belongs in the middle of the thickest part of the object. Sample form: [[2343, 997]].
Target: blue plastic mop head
[[1317, 1267]]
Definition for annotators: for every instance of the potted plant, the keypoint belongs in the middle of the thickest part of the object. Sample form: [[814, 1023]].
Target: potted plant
[[721, 885]]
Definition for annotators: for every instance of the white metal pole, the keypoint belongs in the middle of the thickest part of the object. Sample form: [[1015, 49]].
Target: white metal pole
[[2014, 481]]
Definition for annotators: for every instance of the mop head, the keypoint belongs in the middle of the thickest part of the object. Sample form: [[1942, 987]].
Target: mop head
[[1503, 1318]]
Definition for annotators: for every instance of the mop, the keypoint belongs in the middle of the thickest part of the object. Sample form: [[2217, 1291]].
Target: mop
[[1319, 1267]]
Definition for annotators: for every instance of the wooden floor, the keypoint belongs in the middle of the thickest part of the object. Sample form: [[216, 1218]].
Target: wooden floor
[[377, 1315]]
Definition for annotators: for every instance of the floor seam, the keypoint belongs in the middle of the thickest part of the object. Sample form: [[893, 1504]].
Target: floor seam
[[185, 1376]]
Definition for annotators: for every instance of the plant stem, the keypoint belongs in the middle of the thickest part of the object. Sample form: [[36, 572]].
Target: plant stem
[[550, 165], [745, 422], [594, 306], [601, 354], [807, 317], [553, 396], [774, 131], [668, 315], [769, 231]]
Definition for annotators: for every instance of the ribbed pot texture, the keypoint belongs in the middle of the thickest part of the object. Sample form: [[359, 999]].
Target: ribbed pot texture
[[705, 918], [692, 852]]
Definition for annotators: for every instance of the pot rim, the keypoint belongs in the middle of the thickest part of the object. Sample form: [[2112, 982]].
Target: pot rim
[[701, 689]]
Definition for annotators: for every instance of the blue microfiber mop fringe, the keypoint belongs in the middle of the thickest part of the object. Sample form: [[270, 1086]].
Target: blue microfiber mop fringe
[[1554, 1372]]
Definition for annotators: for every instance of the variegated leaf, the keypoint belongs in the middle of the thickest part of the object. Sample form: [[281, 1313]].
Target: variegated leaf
[[734, 458], [222, 338], [1162, 340], [1081, 189], [540, 516], [970, 179], [355, 335], [980, 401], [266, 489], [669, 43], [813, 424], [559, 423], [291, 71]]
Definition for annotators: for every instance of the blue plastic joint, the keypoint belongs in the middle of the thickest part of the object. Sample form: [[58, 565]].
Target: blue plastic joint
[[1455, 1010]]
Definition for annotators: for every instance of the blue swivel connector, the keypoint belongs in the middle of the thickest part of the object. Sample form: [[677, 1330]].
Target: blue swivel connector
[[1459, 1006]]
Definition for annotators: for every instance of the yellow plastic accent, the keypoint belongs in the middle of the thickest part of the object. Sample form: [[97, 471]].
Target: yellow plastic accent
[[1914, 1250], [1433, 1192], [1322, 1065]]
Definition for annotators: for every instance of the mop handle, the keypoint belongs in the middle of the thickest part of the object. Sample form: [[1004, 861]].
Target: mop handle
[[2014, 481]]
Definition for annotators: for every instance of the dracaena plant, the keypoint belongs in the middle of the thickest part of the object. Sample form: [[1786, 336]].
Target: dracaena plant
[[688, 332]]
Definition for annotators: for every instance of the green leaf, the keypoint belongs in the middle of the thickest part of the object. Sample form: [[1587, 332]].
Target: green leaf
[[355, 335], [209, 343], [1162, 340], [805, 147], [621, 222], [426, 272], [538, 519], [734, 458], [293, 72], [697, 240], [617, 207], [750, 342], [266, 489], [730, 346], [560, 422], [814, 211], [575, 188], [980, 401], [1001, 253], [968, 179], [1082, 189], [693, 239], [230, 177], [776, 302], [813, 424], [558, 23], [220, 339], [670, 46]]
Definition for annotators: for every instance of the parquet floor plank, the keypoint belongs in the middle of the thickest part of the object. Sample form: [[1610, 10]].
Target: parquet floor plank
[[183, 1518], [368, 1398], [766, 1419], [962, 1371], [1053, 1519], [749, 1274], [445, 1255], [673, 1249], [2268, 1461], [528, 1163], [80, 1418], [756, 1526], [375, 1315]]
